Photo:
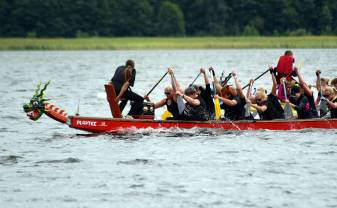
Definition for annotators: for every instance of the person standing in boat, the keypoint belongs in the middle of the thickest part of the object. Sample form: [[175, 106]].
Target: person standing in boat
[[330, 96], [285, 66], [195, 108], [206, 95], [303, 100], [233, 99], [268, 107], [123, 79]]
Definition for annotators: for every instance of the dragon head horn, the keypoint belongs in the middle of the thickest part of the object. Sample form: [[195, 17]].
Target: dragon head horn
[[41, 95]]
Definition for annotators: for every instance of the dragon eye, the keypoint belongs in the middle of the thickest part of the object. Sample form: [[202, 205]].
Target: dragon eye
[[35, 104]]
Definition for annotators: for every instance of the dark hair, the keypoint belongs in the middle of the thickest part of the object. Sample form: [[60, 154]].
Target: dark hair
[[288, 53], [130, 63], [295, 89], [190, 91]]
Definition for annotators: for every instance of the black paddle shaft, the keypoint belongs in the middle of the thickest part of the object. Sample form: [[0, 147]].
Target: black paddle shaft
[[156, 84], [195, 79], [257, 78]]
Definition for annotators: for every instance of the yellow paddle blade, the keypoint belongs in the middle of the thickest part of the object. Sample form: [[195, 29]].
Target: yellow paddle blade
[[217, 109], [292, 109], [252, 109], [166, 115]]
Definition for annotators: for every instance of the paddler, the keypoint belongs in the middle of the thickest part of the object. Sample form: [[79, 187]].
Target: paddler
[[233, 99], [303, 100], [195, 108], [285, 66], [321, 85], [268, 107], [329, 94], [171, 98], [206, 94], [123, 79]]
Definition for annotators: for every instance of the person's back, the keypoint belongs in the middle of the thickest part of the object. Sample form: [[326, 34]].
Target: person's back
[[237, 111], [123, 78], [274, 109], [285, 66]]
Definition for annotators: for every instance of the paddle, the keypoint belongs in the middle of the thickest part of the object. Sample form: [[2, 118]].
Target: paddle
[[288, 113], [258, 77], [247, 105], [180, 101], [323, 105], [156, 84], [216, 100], [195, 79]]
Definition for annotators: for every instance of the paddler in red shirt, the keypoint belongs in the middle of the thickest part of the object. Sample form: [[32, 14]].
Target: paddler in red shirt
[[285, 66]]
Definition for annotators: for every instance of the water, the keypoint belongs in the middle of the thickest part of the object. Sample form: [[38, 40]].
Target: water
[[46, 164]]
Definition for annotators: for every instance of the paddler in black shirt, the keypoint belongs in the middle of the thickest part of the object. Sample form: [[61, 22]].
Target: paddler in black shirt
[[233, 100], [303, 101], [206, 95], [195, 108], [268, 107], [123, 80]]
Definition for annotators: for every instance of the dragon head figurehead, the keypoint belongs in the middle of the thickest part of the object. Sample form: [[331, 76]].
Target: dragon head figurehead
[[36, 106]]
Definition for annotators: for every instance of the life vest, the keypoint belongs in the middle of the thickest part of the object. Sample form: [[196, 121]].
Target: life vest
[[195, 113], [236, 112], [274, 109], [172, 107], [285, 64], [55, 113]]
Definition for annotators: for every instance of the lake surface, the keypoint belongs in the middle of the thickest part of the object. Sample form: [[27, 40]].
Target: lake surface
[[47, 164]]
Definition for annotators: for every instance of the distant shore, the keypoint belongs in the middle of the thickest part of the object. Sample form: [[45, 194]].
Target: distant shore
[[148, 43]]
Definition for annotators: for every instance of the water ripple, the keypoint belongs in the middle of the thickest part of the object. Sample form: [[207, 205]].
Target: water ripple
[[136, 162], [9, 159], [67, 160]]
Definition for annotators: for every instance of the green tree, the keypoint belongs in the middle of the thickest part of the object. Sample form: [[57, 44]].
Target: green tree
[[170, 20]]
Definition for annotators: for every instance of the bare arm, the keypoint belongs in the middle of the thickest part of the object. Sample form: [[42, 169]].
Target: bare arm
[[226, 101], [249, 91], [273, 89], [318, 80], [302, 83], [238, 86], [216, 82], [192, 101], [123, 90], [259, 108], [202, 70], [160, 103]]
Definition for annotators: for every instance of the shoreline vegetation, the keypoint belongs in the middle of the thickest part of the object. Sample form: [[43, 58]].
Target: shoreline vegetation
[[148, 43]]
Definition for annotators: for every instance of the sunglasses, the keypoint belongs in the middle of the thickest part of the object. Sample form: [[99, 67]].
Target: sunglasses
[[326, 96], [167, 93]]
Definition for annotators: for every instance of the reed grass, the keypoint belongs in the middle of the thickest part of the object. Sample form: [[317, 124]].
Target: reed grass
[[143, 43]]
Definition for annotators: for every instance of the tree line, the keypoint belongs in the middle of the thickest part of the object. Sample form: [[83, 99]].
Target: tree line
[[82, 18]]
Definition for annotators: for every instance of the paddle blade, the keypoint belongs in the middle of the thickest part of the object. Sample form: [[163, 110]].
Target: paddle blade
[[288, 113], [247, 110], [181, 104], [323, 108], [217, 109], [166, 115]]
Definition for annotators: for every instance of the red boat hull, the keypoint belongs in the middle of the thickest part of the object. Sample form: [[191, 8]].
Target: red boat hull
[[111, 125]]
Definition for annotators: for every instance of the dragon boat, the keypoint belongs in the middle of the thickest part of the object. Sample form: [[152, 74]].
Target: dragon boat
[[38, 106]]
